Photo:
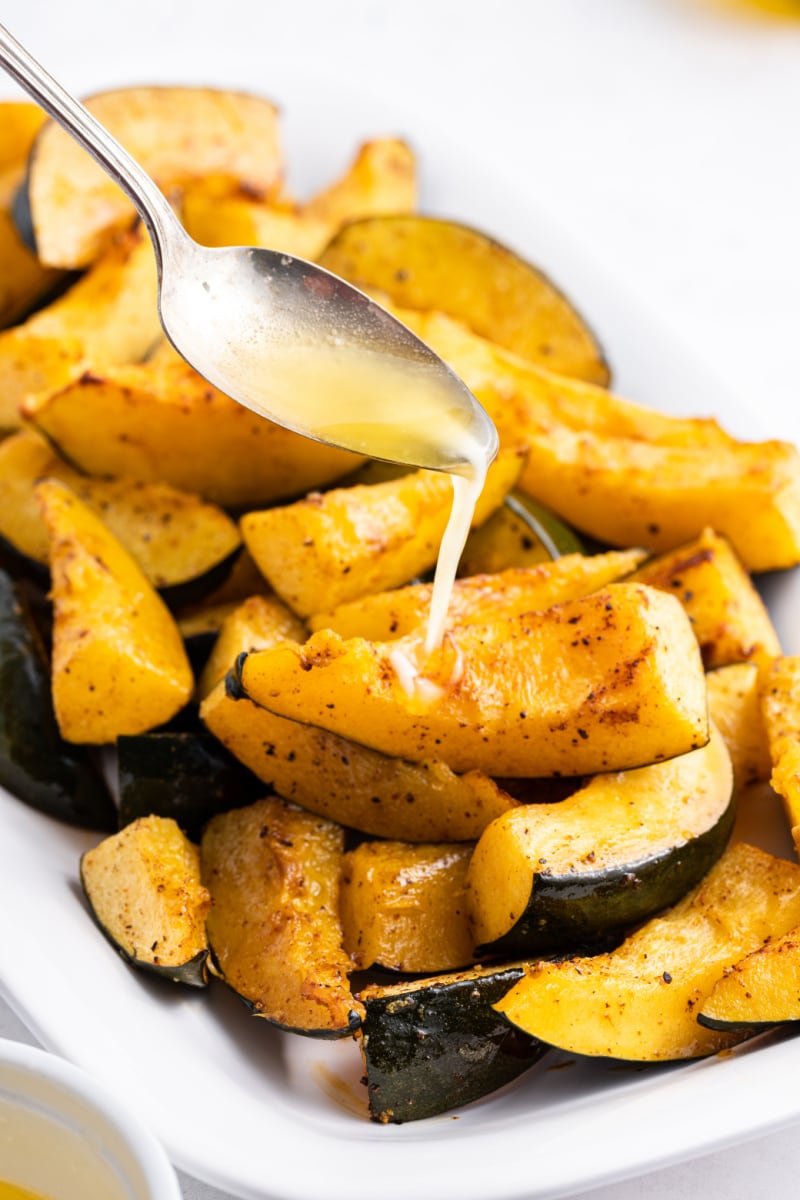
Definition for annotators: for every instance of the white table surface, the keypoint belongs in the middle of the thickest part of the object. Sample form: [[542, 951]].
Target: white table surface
[[663, 134]]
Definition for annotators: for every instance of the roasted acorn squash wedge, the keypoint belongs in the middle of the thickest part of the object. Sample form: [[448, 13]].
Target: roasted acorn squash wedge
[[273, 874], [479, 599], [730, 620], [119, 664], [36, 764], [497, 697], [184, 545], [143, 888], [108, 316], [403, 906], [160, 421], [555, 876], [351, 541], [375, 793], [426, 263], [641, 1001], [734, 705], [178, 134], [760, 991], [435, 1044], [780, 707]]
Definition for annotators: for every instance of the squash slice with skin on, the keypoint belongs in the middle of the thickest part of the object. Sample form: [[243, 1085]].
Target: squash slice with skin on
[[160, 421], [182, 543], [426, 263], [332, 775], [435, 1044], [119, 665], [479, 599], [382, 178], [273, 874], [109, 316], [178, 134], [620, 472], [403, 907], [497, 698], [23, 279], [352, 541], [143, 888], [780, 707], [548, 877], [641, 1001], [730, 619], [760, 991], [36, 764], [346, 782]]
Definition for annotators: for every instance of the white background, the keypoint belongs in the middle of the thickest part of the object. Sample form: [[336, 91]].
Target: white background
[[661, 134]]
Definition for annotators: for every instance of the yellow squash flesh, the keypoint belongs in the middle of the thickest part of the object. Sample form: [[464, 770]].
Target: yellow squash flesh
[[479, 599], [273, 874], [609, 681], [617, 818], [348, 542], [160, 421], [382, 178], [349, 783], [119, 665], [734, 705], [641, 1001], [730, 619], [403, 907], [143, 885]]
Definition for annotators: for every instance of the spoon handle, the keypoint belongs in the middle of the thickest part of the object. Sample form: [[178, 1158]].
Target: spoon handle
[[154, 209]]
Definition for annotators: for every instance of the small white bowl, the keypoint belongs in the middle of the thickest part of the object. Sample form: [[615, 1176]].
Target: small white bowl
[[63, 1136]]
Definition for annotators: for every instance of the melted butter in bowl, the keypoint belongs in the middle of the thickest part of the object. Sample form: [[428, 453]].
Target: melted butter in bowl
[[63, 1137]]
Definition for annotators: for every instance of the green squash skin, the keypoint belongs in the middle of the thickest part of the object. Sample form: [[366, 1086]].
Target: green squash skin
[[441, 1045], [557, 537], [185, 775], [589, 908], [36, 764]]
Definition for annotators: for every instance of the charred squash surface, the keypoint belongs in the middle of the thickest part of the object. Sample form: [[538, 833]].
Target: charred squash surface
[[188, 777], [353, 541], [479, 599], [119, 665], [426, 263], [729, 618], [273, 874], [557, 876], [403, 906], [36, 763], [436, 1044], [143, 888], [641, 1001], [346, 782], [184, 545], [503, 701]]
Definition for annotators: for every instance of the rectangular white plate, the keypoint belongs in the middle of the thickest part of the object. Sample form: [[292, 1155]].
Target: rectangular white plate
[[264, 1115]]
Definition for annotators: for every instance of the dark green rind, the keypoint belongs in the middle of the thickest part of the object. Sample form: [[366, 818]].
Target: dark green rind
[[440, 1044], [754, 1027], [184, 775], [586, 908], [21, 214], [192, 973], [36, 764], [192, 591]]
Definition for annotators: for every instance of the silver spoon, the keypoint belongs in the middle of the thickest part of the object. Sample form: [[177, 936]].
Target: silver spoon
[[283, 336]]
